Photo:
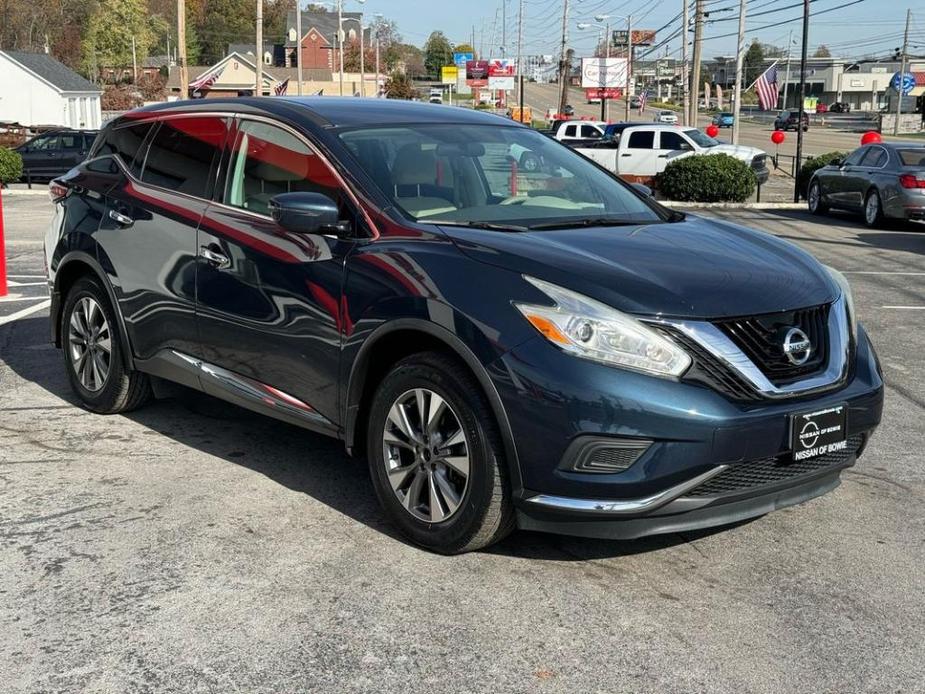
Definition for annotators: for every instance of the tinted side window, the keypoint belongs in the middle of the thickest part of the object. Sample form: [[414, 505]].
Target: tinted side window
[[125, 142], [643, 139], [44, 142], [71, 141], [672, 140], [571, 130], [855, 157], [182, 154], [589, 132], [876, 156], [267, 161]]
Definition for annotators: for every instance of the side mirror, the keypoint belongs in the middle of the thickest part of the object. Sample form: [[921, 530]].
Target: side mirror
[[645, 190], [307, 213], [837, 162]]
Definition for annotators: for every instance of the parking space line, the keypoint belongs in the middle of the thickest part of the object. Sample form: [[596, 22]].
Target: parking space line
[[14, 283], [25, 312], [878, 272], [906, 308], [26, 277], [17, 297]]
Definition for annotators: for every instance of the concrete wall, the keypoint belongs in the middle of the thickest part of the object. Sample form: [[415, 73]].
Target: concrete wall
[[908, 123]]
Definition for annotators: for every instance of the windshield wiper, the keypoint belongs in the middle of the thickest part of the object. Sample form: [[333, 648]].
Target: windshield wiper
[[590, 222], [476, 225]]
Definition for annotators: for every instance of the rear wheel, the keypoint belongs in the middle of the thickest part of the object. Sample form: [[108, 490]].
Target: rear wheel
[[814, 199], [93, 352], [873, 210], [436, 457]]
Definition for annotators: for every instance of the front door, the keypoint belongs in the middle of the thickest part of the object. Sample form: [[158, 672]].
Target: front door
[[269, 300], [844, 185]]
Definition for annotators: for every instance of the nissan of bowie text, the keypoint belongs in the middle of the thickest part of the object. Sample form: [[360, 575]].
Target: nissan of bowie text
[[540, 347]]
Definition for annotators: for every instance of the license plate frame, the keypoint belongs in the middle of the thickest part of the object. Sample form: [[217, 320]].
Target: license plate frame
[[819, 432]]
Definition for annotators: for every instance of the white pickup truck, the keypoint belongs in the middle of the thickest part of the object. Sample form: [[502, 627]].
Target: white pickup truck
[[571, 130], [638, 152]]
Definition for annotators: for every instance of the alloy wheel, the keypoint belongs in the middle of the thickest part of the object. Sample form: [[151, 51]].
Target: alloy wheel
[[90, 344], [814, 197], [872, 208], [426, 455]]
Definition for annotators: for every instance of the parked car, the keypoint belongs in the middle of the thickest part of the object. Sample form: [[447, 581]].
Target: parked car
[[635, 101], [569, 110], [787, 120], [883, 181], [574, 130], [666, 117], [724, 120], [639, 152], [55, 152], [553, 350], [821, 108], [840, 107], [435, 99]]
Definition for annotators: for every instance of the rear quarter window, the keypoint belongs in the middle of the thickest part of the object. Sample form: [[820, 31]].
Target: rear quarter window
[[183, 153], [125, 142]]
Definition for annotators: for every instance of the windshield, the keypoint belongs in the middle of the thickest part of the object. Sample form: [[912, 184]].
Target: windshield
[[701, 138], [486, 174]]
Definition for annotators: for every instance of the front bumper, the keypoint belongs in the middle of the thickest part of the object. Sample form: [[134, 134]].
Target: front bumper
[[697, 440]]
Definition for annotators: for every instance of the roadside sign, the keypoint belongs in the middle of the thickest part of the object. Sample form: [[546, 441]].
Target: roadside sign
[[603, 72], [906, 81], [641, 37], [477, 73], [449, 74], [460, 60]]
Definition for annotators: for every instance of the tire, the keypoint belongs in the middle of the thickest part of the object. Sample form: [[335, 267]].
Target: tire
[[88, 327], [873, 210], [530, 163], [814, 199], [483, 513]]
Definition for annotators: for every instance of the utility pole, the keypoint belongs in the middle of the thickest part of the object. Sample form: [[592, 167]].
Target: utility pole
[[259, 53], [503, 28], [902, 72], [563, 68], [629, 62], [377, 63], [787, 78], [362, 63], [298, 44], [605, 104], [520, 64], [695, 70], [685, 84], [181, 42], [803, 54], [740, 51], [340, 44], [134, 63]]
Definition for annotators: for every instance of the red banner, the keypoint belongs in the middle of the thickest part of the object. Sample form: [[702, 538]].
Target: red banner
[[604, 93]]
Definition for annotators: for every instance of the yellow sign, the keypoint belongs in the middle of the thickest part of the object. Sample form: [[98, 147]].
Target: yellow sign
[[449, 74]]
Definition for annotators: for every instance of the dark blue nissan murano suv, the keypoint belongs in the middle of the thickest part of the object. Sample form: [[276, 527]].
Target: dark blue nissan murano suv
[[539, 346]]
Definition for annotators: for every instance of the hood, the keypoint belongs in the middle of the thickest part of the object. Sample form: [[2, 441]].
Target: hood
[[743, 152], [697, 268]]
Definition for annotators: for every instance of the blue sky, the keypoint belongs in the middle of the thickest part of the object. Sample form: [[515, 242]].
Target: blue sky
[[867, 27]]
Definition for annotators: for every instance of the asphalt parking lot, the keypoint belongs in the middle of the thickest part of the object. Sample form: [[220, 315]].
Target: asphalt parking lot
[[191, 546]]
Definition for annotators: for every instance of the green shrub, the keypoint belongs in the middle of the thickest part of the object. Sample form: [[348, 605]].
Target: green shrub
[[813, 164], [10, 165], [707, 178]]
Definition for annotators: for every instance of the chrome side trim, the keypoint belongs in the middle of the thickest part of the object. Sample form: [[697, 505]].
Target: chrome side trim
[[619, 507], [720, 346]]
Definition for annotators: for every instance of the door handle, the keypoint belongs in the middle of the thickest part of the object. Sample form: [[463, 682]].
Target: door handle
[[214, 258], [120, 218], [626, 154]]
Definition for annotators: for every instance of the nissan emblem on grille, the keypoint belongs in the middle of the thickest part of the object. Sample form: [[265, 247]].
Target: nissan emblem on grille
[[797, 346]]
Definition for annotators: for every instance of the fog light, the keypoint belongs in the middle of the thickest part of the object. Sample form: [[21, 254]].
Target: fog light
[[603, 456]]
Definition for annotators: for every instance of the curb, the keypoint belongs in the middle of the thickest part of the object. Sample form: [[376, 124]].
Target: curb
[[735, 205], [13, 192]]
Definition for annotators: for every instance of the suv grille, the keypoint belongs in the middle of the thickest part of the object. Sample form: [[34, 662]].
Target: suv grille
[[759, 473], [709, 370], [762, 339]]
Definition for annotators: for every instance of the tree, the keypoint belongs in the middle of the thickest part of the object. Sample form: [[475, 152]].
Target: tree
[[411, 58], [399, 86], [464, 48], [822, 52], [438, 51], [753, 62], [224, 22], [110, 30]]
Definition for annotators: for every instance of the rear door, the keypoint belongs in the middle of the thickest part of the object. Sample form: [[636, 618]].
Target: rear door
[[638, 158], [269, 300], [41, 156], [149, 230], [72, 149]]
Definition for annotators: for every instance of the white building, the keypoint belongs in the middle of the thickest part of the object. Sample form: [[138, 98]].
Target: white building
[[36, 89]]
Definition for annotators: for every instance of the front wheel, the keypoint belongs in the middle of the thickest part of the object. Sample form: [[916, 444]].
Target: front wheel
[[436, 458], [814, 199]]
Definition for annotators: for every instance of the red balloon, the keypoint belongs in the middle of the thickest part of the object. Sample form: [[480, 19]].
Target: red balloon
[[870, 137], [712, 130], [778, 136]]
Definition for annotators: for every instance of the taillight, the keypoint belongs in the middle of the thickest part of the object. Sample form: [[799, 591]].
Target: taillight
[[912, 181], [57, 191]]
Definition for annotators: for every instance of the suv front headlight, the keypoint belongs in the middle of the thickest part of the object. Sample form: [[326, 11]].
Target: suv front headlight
[[592, 330], [842, 283]]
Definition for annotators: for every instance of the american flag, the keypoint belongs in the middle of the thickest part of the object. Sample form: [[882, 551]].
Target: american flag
[[766, 87], [280, 89], [206, 81], [643, 98]]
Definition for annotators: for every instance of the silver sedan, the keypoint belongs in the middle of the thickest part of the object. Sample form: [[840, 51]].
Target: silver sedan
[[883, 181]]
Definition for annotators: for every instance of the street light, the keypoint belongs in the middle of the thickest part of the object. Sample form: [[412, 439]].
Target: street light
[[362, 64], [340, 36]]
